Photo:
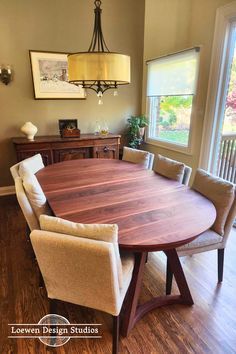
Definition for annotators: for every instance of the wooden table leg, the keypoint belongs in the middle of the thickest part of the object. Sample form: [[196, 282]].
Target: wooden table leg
[[134, 312], [132, 296], [177, 270]]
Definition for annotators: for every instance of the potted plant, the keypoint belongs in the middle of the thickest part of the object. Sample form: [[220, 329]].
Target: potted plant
[[136, 130]]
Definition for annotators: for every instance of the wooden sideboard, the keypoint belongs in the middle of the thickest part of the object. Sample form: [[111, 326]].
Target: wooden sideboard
[[56, 149]]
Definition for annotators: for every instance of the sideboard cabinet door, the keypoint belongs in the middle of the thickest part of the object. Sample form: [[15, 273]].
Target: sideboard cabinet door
[[46, 155], [71, 154], [106, 152]]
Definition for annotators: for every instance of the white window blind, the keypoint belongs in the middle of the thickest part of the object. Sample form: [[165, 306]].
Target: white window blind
[[173, 75]]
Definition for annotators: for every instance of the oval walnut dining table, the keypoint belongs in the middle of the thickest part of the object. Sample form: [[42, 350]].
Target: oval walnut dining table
[[153, 214]]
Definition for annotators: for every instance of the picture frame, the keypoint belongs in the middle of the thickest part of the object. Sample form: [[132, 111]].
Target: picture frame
[[50, 76]]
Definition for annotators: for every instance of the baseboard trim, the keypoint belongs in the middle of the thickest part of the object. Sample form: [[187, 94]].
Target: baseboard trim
[[8, 190]]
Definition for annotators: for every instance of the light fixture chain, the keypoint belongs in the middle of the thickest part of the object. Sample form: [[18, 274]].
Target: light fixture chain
[[98, 41]]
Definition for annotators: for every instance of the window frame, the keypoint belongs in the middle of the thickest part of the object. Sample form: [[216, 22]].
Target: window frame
[[185, 149]]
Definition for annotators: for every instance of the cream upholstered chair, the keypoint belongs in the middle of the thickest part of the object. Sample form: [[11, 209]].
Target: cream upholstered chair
[[29, 193], [141, 157], [172, 169], [81, 264], [223, 195]]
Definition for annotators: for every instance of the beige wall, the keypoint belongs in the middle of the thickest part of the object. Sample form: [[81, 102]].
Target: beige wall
[[59, 25], [173, 25]]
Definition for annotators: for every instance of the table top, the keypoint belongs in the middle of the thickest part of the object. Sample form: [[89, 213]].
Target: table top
[[152, 212]]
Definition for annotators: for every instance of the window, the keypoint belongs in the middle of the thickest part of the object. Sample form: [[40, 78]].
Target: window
[[171, 85]]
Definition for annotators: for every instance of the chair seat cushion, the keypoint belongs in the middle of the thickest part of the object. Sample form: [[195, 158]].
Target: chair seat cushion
[[140, 157], [31, 165], [102, 232], [220, 192], [35, 195], [205, 239], [169, 168]]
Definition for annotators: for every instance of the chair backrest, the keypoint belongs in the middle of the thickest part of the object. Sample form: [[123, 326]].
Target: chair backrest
[[31, 165], [144, 158], [172, 169], [25, 205], [223, 195], [78, 270], [15, 170]]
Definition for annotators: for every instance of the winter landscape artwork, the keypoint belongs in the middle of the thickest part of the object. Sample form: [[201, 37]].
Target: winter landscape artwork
[[50, 77]]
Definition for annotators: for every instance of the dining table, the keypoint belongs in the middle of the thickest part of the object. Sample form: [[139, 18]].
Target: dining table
[[153, 213]]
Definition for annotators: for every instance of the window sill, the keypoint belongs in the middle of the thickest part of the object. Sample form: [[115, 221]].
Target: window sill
[[169, 146]]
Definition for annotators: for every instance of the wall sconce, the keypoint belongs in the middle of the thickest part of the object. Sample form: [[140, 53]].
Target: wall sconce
[[5, 75]]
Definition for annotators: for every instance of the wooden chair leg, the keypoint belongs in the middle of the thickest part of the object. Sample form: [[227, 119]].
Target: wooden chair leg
[[115, 334], [220, 264], [169, 278], [52, 310], [52, 306], [40, 277], [28, 233], [41, 281]]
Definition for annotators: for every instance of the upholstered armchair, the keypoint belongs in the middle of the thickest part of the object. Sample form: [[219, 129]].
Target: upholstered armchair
[[81, 264], [223, 195], [140, 157], [29, 194], [172, 169]]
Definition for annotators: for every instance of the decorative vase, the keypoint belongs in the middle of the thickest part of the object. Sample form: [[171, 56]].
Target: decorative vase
[[29, 130], [104, 130]]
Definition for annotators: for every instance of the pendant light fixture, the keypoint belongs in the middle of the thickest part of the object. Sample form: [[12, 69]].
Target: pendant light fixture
[[99, 69]]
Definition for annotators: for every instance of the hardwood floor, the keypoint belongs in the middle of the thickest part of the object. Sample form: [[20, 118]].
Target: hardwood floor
[[209, 326]]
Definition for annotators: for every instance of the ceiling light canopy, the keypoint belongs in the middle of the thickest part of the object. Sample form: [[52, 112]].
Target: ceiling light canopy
[[98, 68]]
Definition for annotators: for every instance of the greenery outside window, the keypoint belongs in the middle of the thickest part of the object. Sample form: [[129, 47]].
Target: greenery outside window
[[171, 86]]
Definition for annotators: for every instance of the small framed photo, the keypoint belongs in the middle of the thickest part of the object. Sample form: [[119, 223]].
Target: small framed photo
[[50, 77]]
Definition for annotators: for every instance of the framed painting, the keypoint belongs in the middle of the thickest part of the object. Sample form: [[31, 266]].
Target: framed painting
[[50, 77]]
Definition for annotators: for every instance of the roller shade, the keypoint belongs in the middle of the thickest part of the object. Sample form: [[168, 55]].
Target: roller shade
[[175, 74]]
